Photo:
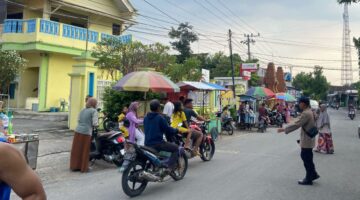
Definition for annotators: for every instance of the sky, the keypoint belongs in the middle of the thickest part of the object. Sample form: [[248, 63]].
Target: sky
[[300, 34]]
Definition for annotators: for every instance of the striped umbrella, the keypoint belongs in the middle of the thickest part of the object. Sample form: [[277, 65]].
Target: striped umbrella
[[285, 96], [260, 92], [145, 81]]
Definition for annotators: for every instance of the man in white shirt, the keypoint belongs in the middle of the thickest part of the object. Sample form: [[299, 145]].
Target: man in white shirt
[[168, 108]]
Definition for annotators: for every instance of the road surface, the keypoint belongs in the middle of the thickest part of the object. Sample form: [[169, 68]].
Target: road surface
[[249, 166]]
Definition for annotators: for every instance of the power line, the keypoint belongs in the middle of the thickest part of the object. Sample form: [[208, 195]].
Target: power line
[[162, 12]]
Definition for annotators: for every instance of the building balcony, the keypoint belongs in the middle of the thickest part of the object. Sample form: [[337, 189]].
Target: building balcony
[[37, 34]]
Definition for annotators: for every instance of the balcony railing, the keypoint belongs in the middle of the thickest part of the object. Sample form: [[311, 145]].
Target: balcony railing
[[58, 30]]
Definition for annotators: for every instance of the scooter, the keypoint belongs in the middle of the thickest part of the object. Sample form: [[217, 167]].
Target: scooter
[[108, 147], [352, 114], [144, 164], [207, 146]]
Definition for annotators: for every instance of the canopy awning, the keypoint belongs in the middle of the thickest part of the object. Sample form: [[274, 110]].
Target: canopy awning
[[244, 97], [190, 85], [216, 86]]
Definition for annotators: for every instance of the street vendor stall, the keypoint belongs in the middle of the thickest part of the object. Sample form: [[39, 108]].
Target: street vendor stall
[[205, 88]]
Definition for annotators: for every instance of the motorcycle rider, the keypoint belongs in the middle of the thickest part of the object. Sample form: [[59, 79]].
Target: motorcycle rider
[[263, 113], [351, 107], [155, 126], [190, 114]]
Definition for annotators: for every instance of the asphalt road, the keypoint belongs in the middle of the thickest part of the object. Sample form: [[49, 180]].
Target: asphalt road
[[246, 166]]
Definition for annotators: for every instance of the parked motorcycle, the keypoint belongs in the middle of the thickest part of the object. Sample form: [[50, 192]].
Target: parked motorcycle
[[207, 146], [108, 147], [352, 114], [108, 122], [145, 164]]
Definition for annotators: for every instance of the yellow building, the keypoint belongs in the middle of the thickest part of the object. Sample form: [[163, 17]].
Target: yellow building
[[56, 37]]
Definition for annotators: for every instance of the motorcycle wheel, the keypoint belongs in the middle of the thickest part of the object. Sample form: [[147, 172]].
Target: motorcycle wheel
[[229, 129], [119, 161], [207, 150], [130, 175], [181, 169], [109, 125]]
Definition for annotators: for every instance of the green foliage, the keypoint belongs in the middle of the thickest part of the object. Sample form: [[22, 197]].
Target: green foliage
[[184, 37], [220, 65], [188, 71], [254, 80], [11, 64], [113, 55], [114, 101], [313, 84]]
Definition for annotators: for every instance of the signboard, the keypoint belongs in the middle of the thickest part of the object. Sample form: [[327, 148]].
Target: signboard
[[205, 75], [252, 67], [287, 77], [246, 75]]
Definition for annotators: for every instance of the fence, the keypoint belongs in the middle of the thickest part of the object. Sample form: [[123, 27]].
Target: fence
[[101, 85]]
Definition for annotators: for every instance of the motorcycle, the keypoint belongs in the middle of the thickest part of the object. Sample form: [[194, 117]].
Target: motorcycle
[[107, 121], [263, 124], [352, 114], [108, 147], [337, 106], [145, 164], [207, 146], [276, 119], [228, 126]]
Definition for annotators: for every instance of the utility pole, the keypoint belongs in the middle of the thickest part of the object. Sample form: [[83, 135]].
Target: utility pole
[[232, 64], [249, 40]]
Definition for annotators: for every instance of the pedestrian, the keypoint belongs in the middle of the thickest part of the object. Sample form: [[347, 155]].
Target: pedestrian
[[135, 134], [242, 113], [168, 108], [325, 142], [15, 174], [307, 143], [87, 98], [88, 119]]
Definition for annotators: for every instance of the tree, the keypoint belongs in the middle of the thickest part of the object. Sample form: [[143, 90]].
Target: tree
[[185, 36], [313, 84], [189, 70], [357, 45], [254, 80], [220, 65], [303, 82], [11, 64], [320, 86], [113, 55]]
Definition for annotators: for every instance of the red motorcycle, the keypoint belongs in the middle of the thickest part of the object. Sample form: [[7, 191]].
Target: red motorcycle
[[207, 146]]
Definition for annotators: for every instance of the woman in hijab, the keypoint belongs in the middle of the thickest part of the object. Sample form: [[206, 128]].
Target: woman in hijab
[[325, 143], [134, 131], [88, 118]]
